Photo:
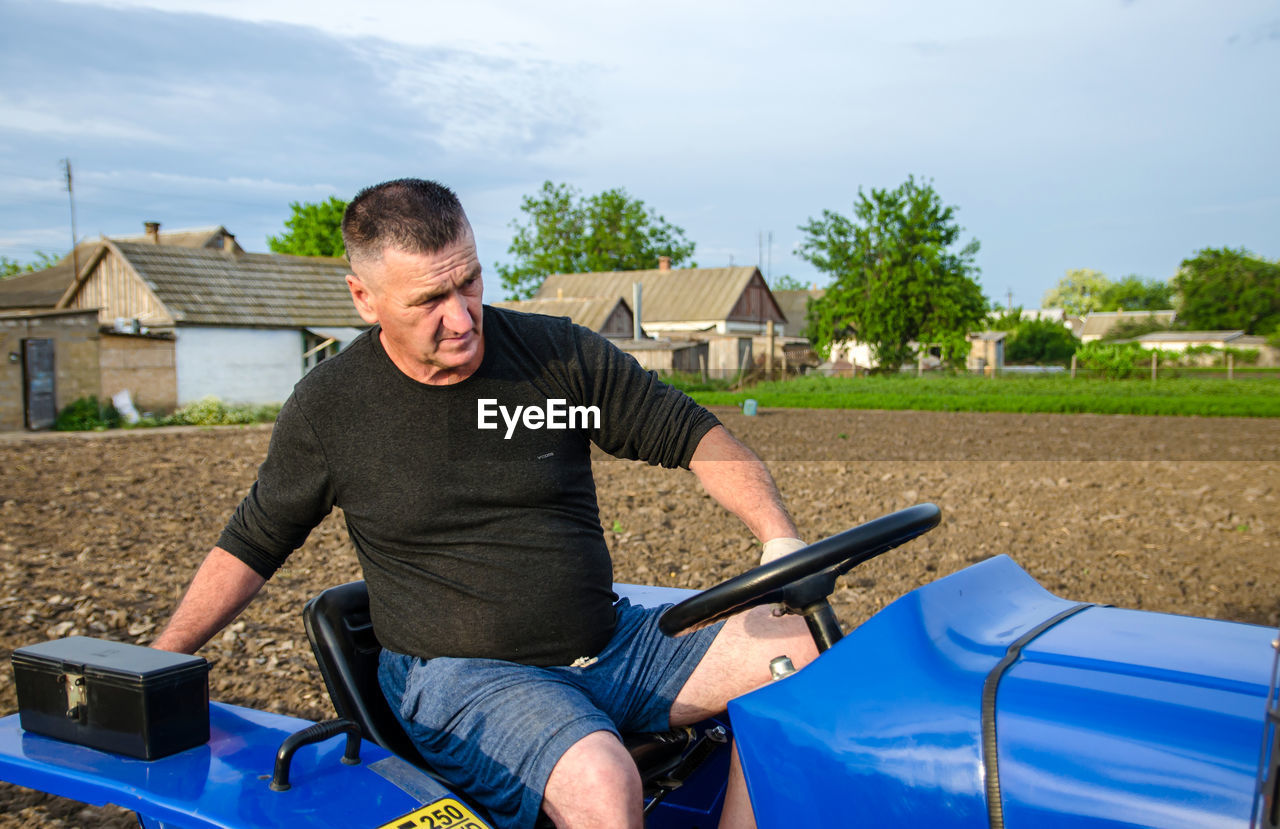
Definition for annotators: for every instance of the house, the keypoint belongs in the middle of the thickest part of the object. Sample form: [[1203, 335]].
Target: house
[[986, 351], [727, 301], [1221, 340], [186, 314], [723, 307], [669, 355], [245, 326], [795, 307], [844, 357], [36, 291], [213, 238], [609, 316], [1098, 324], [51, 358]]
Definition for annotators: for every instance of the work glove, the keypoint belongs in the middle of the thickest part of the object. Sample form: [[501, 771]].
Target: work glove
[[776, 548]]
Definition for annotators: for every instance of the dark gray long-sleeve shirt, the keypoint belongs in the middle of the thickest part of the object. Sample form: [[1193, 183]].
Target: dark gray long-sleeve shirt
[[482, 542]]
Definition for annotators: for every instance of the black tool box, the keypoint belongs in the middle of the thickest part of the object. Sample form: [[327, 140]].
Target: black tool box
[[122, 698]]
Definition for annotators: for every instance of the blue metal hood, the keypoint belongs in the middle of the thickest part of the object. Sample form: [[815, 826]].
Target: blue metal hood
[[1105, 718]]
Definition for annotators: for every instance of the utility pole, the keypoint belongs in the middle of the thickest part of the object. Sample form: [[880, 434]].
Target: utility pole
[[71, 196], [1009, 307]]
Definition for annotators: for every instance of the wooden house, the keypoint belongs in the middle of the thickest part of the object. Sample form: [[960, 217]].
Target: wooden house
[[243, 327], [733, 301]]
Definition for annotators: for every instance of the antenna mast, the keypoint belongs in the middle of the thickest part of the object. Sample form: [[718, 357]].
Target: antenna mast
[[71, 196]]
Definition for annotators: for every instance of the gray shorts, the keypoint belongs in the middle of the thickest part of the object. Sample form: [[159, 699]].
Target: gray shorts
[[496, 729]]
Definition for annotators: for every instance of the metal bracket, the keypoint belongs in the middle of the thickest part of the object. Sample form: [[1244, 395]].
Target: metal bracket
[[77, 695]]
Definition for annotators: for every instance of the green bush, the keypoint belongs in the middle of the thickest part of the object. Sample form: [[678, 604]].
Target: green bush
[[1248, 356], [1040, 342], [1114, 360], [87, 415], [210, 411]]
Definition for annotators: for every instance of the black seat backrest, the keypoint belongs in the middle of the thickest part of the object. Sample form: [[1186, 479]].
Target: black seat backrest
[[346, 649]]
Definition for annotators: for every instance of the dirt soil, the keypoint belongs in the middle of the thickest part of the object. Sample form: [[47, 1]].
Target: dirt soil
[[99, 534]]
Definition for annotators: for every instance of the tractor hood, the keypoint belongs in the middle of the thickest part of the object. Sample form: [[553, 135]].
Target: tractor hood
[[985, 699]]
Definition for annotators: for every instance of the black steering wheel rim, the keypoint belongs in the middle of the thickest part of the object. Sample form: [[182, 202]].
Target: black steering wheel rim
[[817, 566]]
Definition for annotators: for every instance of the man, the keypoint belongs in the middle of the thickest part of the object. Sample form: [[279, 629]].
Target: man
[[472, 510]]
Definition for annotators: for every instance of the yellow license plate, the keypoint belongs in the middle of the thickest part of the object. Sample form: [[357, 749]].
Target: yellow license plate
[[445, 813]]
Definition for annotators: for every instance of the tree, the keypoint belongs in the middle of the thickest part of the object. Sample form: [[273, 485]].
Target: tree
[[1004, 319], [1078, 293], [787, 282], [566, 233], [1229, 289], [897, 276], [12, 267], [1040, 342], [1133, 293], [314, 229]]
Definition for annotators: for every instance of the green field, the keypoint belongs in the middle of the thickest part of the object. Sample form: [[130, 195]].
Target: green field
[[1256, 396]]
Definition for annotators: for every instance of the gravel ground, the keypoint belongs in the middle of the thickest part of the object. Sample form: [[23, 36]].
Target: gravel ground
[[99, 534]]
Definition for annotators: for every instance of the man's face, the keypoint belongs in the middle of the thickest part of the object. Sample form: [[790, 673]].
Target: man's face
[[429, 306]]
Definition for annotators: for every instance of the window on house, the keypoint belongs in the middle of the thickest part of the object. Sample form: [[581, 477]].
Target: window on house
[[316, 348]]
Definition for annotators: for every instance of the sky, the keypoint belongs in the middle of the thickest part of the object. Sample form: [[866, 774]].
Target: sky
[[1117, 135]]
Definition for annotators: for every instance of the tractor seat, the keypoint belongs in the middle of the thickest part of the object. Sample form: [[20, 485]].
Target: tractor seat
[[346, 649]]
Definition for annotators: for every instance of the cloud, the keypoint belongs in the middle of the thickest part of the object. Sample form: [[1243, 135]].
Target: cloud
[[728, 118], [481, 104], [271, 97], [50, 120]]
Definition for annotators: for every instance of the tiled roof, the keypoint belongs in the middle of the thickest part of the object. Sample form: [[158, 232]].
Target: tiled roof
[[795, 306], [38, 289], [195, 237], [43, 288], [1190, 336], [588, 311], [210, 287], [1098, 323], [683, 295]]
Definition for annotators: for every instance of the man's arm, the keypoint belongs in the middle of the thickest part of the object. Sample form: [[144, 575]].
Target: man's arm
[[223, 586], [733, 475]]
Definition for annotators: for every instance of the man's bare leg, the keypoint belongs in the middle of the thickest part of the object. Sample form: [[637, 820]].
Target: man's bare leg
[[595, 784], [738, 662]]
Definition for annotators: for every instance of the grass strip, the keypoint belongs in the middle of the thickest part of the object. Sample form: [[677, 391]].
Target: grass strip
[[1258, 397]]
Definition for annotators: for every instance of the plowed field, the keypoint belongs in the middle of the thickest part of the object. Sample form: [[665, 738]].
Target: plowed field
[[99, 534]]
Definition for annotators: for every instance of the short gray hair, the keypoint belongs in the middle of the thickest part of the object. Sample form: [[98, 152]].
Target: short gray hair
[[409, 214]]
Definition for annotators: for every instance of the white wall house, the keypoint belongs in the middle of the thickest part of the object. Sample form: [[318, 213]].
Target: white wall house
[[245, 326], [243, 365]]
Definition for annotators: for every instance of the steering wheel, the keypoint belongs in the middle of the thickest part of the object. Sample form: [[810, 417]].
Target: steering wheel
[[802, 581]]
